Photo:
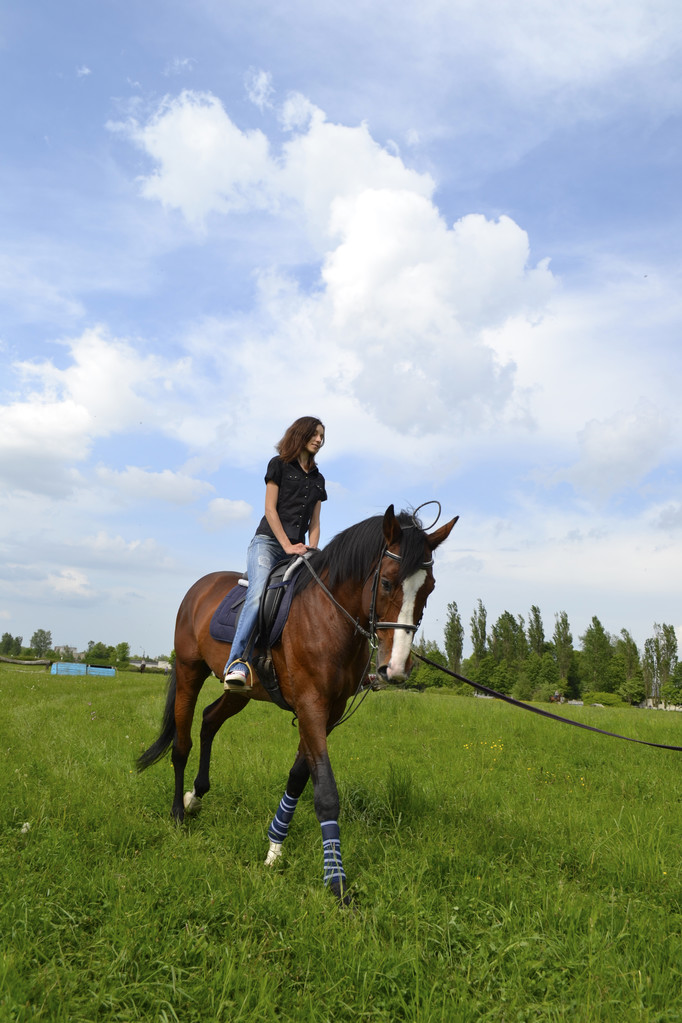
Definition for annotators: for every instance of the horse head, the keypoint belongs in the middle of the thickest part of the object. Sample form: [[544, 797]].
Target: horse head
[[404, 579]]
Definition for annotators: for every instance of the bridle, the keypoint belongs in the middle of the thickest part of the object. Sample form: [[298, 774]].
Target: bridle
[[375, 625], [370, 634]]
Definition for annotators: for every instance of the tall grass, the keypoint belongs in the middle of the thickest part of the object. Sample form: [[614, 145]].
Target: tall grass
[[505, 868]]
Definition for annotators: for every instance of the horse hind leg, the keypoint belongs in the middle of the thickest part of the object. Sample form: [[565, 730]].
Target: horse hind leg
[[189, 680], [214, 716]]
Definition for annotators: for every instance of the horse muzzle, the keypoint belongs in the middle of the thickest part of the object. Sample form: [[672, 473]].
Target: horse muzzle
[[391, 675]]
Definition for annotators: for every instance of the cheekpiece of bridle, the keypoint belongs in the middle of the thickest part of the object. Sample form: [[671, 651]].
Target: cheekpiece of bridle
[[375, 625]]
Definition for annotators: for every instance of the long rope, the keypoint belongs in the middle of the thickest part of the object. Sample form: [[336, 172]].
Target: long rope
[[537, 710]]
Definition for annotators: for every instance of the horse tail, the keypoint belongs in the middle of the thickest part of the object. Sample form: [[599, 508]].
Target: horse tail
[[159, 748]]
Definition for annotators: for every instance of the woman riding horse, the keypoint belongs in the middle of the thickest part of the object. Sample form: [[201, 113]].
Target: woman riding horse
[[365, 590], [294, 491]]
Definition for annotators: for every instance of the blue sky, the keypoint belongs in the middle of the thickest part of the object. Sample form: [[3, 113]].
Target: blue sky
[[451, 231]]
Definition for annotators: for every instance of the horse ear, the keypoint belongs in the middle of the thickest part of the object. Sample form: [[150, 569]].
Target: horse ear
[[434, 539], [392, 530]]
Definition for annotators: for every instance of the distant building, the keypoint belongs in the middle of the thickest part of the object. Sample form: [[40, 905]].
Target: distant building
[[163, 663], [67, 652]]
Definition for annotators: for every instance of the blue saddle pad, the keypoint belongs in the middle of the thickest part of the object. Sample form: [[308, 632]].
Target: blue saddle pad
[[274, 609], [226, 615]]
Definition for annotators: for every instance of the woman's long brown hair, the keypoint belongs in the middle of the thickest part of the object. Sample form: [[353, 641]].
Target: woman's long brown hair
[[297, 436]]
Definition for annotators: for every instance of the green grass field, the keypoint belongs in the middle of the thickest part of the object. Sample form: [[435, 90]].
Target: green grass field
[[505, 868]]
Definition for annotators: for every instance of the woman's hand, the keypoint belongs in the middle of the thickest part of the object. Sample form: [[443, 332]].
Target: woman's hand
[[296, 548]]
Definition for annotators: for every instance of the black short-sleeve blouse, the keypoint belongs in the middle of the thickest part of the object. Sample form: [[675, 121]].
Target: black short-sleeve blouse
[[299, 492]]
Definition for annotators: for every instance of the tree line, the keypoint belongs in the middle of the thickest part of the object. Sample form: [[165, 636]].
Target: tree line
[[41, 647], [514, 656], [517, 657]]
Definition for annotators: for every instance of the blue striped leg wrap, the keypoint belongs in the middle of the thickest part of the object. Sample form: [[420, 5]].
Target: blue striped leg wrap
[[277, 831], [331, 843]]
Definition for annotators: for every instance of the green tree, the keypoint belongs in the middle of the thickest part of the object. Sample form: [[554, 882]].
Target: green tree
[[41, 642], [6, 643], [548, 678], [660, 659], [503, 677], [483, 671], [596, 656], [563, 644], [527, 678], [536, 631], [122, 653], [100, 653], [672, 691], [454, 638], [426, 675], [508, 640], [479, 639], [626, 660]]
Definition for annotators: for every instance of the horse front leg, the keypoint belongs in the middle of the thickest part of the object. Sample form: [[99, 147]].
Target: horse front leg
[[313, 723], [327, 813], [326, 800]]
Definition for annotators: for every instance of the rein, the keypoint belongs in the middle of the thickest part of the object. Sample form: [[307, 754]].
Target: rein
[[537, 710], [353, 621], [369, 634]]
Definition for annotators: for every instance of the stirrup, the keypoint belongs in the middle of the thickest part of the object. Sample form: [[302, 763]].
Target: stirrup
[[236, 681]]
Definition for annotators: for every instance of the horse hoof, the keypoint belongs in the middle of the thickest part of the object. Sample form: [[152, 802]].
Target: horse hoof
[[274, 853], [342, 893], [191, 802]]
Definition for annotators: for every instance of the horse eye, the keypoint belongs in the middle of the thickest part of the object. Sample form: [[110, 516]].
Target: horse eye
[[386, 586]]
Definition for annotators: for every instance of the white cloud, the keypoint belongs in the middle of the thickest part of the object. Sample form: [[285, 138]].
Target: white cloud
[[205, 163], [104, 550], [223, 512], [584, 55], [173, 487], [669, 517], [70, 582], [108, 379], [83, 71], [107, 387], [331, 163], [618, 452], [40, 438], [298, 111], [179, 66], [27, 289], [578, 560], [259, 88], [406, 300], [579, 42]]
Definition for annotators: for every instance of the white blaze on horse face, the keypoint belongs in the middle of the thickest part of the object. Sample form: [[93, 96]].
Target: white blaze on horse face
[[402, 638]]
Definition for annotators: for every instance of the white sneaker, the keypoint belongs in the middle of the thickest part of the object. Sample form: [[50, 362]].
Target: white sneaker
[[236, 676]]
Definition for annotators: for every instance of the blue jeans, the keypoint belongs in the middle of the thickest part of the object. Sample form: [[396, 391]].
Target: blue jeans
[[263, 554]]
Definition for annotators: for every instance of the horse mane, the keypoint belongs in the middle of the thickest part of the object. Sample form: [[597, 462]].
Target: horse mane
[[352, 554]]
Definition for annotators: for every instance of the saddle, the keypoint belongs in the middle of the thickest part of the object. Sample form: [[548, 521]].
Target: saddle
[[274, 609]]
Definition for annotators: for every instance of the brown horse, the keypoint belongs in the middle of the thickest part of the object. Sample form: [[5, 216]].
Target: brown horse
[[368, 587]]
